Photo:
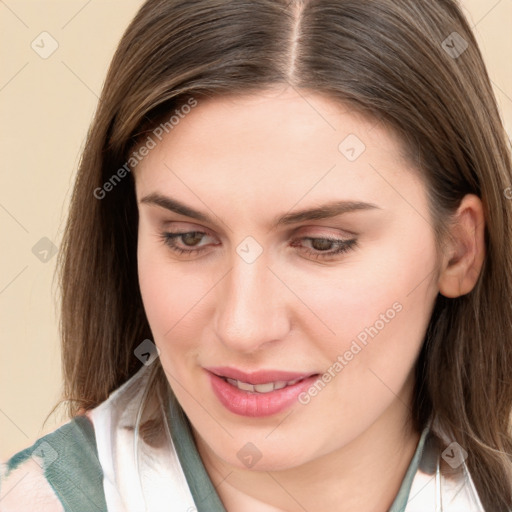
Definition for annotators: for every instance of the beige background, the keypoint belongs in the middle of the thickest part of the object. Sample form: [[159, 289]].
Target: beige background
[[46, 106]]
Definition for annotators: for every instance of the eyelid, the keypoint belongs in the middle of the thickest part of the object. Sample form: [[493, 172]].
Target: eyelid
[[186, 227], [327, 231], [332, 230]]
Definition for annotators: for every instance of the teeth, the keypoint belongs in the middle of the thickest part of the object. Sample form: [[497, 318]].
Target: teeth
[[244, 386], [262, 388]]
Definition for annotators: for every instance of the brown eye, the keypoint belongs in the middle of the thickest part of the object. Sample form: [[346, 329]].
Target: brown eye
[[186, 239], [192, 238], [321, 244], [325, 248]]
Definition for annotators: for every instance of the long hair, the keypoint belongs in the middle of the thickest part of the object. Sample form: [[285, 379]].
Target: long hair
[[412, 64]]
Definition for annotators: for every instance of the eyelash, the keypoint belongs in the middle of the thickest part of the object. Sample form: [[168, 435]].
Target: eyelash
[[343, 245]]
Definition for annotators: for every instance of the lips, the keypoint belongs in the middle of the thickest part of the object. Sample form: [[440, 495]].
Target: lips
[[257, 394]]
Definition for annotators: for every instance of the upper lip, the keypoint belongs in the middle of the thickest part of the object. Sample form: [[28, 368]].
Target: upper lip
[[259, 376]]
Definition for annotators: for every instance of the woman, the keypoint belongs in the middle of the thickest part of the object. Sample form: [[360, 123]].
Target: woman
[[295, 215]]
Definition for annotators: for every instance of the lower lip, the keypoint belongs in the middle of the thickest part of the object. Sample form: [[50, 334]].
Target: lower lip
[[256, 405]]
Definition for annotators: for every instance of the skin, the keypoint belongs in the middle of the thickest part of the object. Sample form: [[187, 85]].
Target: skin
[[245, 160]]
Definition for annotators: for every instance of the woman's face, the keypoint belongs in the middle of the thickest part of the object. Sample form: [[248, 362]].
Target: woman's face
[[337, 296]]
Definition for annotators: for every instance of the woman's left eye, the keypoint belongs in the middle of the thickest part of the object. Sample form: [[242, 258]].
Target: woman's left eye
[[321, 247], [325, 248]]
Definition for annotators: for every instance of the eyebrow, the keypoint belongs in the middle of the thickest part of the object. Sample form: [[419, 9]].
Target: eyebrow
[[324, 211]]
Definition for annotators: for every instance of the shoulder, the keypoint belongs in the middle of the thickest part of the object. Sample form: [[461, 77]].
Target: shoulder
[[59, 472]]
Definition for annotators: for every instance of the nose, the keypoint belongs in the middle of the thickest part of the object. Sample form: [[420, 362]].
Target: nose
[[251, 309]]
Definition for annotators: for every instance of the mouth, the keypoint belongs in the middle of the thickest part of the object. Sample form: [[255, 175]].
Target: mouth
[[258, 394], [266, 387]]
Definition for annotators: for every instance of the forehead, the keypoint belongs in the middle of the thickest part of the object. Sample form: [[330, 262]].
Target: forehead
[[274, 119], [280, 144]]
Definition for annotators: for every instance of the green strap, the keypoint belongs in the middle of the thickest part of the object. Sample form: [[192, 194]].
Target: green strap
[[201, 487], [402, 497], [71, 466]]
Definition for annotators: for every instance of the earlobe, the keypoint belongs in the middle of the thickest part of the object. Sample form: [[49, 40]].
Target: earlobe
[[465, 252]]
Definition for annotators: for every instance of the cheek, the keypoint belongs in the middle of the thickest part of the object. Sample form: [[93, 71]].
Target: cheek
[[378, 306], [170, 291], [386, 286]]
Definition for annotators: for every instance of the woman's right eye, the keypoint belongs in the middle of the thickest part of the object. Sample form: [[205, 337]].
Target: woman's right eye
[[170, 239]]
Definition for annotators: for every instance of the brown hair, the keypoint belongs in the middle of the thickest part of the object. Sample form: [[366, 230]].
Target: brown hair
[[395, 60]]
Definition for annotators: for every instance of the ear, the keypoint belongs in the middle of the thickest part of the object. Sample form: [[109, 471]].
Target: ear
[[464, 249]]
